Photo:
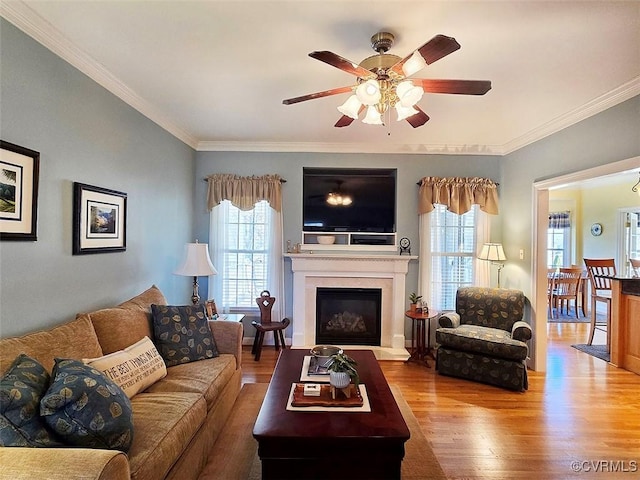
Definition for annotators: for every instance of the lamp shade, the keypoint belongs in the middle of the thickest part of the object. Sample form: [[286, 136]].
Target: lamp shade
[[492, 252], [351, 107], [197, 262], [369, 92]]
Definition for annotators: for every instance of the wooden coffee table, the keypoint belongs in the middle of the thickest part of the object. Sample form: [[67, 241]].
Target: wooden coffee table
[[344, 445]]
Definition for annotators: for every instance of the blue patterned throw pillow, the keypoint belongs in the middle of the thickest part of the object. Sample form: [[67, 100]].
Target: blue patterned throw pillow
[[21, 389], [86, 409], [182, 333]]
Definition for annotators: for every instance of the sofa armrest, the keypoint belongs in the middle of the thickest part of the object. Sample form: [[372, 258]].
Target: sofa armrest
[[449, 320], [521, 331], [228, 337], [63, 463]]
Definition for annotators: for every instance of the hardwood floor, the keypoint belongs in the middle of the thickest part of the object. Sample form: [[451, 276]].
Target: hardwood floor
[[581, 417]]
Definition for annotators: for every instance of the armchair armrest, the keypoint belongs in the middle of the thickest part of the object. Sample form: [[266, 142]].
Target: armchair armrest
[[228, 337], [521, 331], [449, 320], [68, 463]]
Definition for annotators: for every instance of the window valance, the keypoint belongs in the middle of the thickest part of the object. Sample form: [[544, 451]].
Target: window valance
[[458, 194], [244, 192], [559, 220]]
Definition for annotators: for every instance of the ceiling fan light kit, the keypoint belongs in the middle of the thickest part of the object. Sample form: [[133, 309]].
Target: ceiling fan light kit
[[382, 81]]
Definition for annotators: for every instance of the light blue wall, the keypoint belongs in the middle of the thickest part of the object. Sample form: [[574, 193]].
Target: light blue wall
[[85, 134], [607, 137], [411, 168]]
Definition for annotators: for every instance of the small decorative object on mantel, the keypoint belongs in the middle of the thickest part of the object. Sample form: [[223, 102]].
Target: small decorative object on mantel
[[19, 171], [342, 370], [405, 246], [414, 298]]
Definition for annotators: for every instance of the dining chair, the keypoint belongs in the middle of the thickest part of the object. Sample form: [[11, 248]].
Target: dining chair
[[566, 287], [551, 276], [635, 266], [599, 270]]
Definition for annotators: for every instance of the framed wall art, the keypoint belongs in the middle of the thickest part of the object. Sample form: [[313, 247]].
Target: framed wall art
[[19, 171], [99, 220]]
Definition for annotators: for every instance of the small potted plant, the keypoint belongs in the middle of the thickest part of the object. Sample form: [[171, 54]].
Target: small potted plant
[[414, 299], [342, 370]]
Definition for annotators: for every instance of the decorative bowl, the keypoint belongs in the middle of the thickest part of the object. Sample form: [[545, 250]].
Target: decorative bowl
[[326, 239], [323, 352]]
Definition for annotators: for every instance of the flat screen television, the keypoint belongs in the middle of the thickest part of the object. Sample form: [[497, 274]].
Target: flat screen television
[[372, 193]]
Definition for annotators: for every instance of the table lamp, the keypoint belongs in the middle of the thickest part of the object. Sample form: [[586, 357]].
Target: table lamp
[[494, 253], [197, 263]]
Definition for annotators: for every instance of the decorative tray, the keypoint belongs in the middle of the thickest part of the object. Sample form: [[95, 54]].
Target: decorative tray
[[325, 400]]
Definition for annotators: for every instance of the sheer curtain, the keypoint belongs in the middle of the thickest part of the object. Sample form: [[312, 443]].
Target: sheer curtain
[[244, 193], [459, 194]]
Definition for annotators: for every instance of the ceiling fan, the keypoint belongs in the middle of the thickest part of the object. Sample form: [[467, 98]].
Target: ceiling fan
[[383, 81]]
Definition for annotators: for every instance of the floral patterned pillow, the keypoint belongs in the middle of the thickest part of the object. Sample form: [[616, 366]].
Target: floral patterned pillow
[[21, 389], [182, 333], [86, 409]]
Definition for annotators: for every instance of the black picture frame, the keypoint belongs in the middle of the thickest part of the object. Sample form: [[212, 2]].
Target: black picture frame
[[19, 176], [99, 220]]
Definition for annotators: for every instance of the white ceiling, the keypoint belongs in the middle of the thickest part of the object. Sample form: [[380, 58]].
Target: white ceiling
[[214, 73]]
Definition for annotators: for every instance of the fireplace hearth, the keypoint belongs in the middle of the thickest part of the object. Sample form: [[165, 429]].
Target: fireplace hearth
[[348, 316]]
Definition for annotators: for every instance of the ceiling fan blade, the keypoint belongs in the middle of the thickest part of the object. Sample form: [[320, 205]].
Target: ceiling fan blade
[[432, 51], [342, 63], [312, 96], [418, 119], [345, 121], [462, 87]]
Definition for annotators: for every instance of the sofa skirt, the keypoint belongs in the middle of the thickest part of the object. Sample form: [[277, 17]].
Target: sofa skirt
[[509, 374]]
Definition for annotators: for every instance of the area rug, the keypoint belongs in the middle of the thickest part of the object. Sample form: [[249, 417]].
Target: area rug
[[570, 317], [235, 455], [598, 351]]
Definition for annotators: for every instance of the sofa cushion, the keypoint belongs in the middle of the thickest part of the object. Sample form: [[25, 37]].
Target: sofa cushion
[[182, 333], [489, 341], [132, 369], [21, 389], [490, 307], [129, 322], [165, 424], [206, 377], [86, 409], [75, 339]]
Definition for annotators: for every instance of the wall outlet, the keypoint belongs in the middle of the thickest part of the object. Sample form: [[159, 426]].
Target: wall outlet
[[522, 254]]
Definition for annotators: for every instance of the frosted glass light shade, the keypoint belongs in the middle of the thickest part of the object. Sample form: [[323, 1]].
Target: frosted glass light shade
[[408, 94], [492, 252], [369, 92], [404, 112], [414, 64], [373, 117], [351, 107], [197, 262]]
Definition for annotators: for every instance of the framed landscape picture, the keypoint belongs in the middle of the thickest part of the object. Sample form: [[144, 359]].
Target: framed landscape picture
[[19, 170], [99, 220]]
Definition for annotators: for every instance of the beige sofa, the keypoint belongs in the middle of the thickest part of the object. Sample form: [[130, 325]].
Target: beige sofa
[[176, 420]]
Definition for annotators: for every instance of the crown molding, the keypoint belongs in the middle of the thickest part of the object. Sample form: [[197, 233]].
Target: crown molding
[[27, 20], [309, 147], [610, 99]]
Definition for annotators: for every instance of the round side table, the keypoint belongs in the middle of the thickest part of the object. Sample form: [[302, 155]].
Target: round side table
[[420, 335]]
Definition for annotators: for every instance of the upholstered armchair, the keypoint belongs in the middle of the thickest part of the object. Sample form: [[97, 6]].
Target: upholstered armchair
[[484, 340]]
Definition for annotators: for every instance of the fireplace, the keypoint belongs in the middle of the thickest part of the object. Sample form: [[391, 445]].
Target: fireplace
[[349, 316]]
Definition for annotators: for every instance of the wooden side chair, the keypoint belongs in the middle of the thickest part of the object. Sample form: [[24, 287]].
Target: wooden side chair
[[265, 302], [566, 287], [599, 270], [635, 266]]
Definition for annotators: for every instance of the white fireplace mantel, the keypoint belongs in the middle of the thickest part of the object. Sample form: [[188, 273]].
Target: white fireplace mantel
[[387, 272]]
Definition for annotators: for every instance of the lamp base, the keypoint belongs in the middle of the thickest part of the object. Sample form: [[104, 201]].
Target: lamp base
[[195, 298]]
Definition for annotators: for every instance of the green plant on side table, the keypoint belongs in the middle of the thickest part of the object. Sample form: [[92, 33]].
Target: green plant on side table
[[414, 298], [342, 370]]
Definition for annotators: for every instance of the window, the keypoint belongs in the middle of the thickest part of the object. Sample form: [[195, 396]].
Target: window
[[243, 257], [453, 247], [558, 240]]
